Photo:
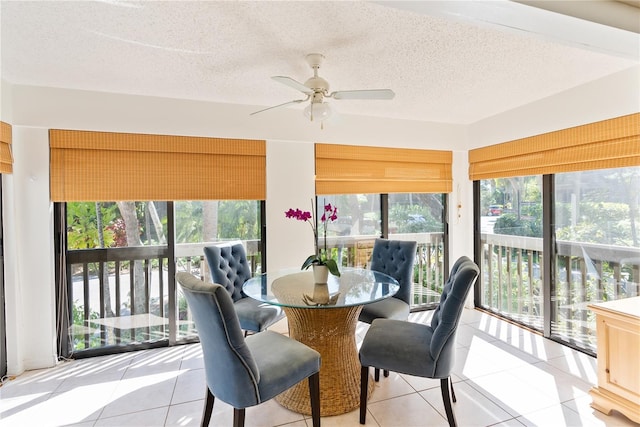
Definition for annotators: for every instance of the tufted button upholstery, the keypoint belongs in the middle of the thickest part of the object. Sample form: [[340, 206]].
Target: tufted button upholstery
[[229, 268], [396, 258]]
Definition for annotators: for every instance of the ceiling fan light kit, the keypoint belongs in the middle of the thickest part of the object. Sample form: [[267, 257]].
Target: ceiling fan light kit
[[317, 89], [318, 111]]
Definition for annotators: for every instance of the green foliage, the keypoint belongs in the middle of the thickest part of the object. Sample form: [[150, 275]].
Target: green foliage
[[238, 219], [77, 317], [598, 222], [188, 221], [512, 225], [414, 219], [82, 225]]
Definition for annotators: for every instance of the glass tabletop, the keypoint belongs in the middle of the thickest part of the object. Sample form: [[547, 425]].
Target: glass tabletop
[[295, 288]]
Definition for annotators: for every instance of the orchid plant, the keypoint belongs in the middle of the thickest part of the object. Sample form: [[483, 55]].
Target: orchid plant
[[321, 255]]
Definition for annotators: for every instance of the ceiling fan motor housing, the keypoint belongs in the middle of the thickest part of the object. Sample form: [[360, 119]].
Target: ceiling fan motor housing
[[317, 84]]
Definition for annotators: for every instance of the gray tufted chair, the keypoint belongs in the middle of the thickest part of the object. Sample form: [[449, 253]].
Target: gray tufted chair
[[418, 349], [229, 268], [241, 371], [396, 259]]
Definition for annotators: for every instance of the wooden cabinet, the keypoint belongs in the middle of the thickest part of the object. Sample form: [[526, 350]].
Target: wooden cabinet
[[618, 332]]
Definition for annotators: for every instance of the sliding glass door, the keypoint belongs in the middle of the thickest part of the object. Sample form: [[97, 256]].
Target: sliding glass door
[[550, 246]]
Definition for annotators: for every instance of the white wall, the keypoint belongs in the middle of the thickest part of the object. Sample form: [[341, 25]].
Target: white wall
[[29, 269], [613, 96], [290, 184], [33, 226]]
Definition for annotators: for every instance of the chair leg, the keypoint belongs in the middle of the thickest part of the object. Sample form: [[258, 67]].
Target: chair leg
[[364, 388], [208, 408], [238, 417], [314, 393], [376, 374], [446, 399], [453, 393], [386, 373]]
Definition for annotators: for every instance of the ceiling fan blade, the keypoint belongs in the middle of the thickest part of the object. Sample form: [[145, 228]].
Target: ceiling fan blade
[[363, 94], [295, 101], [294, 84]]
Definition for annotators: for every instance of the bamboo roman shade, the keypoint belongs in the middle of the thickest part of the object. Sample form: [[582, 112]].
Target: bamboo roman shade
[[350, 169], [6, 159], [97, 166], [612, 143]]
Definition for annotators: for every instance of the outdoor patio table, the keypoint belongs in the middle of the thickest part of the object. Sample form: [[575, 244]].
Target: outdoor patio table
[[328, 327]]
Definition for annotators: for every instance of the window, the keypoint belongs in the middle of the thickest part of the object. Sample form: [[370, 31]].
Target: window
[[118, 261], [598, 247], [576, 229], [118, 255], [511, 248], [595, 255], [408, 216]]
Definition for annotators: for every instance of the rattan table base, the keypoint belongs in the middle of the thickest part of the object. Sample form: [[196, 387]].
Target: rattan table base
[[331, 332]]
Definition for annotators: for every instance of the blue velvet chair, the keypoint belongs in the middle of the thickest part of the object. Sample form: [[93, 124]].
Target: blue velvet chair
[[241, 371], [229, 268], [396, 259], [418, 349]]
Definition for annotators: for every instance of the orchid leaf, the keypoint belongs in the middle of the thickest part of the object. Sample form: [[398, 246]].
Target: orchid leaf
[[333, 267], [310, 261]]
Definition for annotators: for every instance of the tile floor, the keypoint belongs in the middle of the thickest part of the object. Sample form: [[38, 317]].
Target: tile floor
[[504, 376]]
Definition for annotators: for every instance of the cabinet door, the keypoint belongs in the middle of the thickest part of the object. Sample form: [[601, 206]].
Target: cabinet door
[[622, 369]]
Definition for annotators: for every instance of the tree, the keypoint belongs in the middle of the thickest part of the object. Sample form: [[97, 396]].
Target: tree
[[132, 229], [210, 221]]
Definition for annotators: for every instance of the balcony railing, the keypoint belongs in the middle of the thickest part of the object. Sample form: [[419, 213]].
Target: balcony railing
[[429, 269], [117, 295], [512, 280], [120, 296]]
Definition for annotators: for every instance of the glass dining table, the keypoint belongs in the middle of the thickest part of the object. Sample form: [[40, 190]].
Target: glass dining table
[[324, 317]]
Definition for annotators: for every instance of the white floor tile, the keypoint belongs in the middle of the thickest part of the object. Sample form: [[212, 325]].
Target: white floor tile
[[503, 376], [512, 394], [557, 416], [510, 423], [185, 414], [420, 384], [151, 418], [409, 410], [577, 364], [392, 386], [141, 393], [472, 408], [552, 381], [190, 386], [192, 357], [345, 420], [582, 405]]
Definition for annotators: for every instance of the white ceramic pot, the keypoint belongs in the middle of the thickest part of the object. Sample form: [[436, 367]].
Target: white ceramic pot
[[320, 273]]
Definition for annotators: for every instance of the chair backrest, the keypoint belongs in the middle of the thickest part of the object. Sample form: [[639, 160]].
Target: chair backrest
[[396, 258], [231, 372], [446, 316], [229, 267], [455, 267]]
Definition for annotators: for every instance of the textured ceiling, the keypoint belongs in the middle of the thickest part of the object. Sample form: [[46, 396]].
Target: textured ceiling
[[446, 61]]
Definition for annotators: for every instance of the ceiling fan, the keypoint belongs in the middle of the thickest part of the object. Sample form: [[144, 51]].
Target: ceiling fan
[[316, 90]]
